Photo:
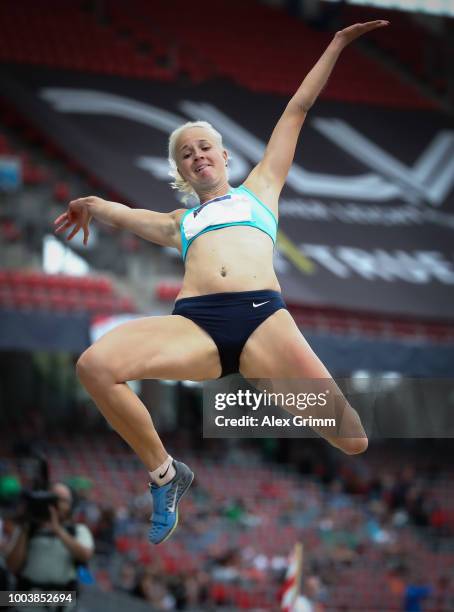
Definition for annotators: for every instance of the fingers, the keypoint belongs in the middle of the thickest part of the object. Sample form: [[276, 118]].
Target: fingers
[[63, 227], [77, 226], [376, 22], [74, 232], [72, 208], [368, 25], [347, 35], [61, 218], [76, 215], [86, 234], [371, 25]]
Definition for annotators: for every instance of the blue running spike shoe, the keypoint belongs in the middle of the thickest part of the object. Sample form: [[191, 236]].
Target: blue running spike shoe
[[165, 503]]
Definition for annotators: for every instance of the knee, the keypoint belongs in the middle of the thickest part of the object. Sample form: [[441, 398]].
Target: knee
[[353, 446], [91, 368]]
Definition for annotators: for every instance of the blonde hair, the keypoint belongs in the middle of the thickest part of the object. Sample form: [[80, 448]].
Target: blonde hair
[[179, 183]]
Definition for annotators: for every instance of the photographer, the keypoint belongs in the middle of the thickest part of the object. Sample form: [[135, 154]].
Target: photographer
[[47, 547]]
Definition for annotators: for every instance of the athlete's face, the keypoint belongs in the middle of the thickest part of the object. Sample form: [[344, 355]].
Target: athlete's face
[[200, 160]]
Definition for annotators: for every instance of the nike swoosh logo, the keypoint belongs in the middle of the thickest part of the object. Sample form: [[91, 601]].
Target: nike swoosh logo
[[162, 475], [261, 304]]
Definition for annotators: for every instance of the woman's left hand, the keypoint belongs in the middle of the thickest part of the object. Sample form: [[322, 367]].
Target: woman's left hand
[[348, 35]]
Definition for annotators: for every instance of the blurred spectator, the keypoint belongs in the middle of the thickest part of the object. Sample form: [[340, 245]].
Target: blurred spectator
[[154, 589], [4, 574], [127, 579], [415, 593], [141, 503], [444, 596], [47, 549], [105, 532], [312, 595]]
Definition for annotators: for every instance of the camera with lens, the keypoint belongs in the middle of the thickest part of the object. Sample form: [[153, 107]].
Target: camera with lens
[[37, 504], [38, 498]]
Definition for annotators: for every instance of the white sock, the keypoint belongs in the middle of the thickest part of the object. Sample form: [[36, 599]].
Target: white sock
[[164, 473]]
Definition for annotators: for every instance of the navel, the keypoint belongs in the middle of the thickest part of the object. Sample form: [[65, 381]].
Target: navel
[[223, 271]]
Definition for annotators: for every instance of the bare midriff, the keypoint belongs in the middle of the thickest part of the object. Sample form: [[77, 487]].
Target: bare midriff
[[229, 259]]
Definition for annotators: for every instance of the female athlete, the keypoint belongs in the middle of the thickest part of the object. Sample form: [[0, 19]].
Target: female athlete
[[229, 316]]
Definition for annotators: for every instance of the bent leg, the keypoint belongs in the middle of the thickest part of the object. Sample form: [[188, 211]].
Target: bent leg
[[169, 347], [277, 351]]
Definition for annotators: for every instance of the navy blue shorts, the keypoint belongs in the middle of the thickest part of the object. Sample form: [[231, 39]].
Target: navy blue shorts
[[230, 318]]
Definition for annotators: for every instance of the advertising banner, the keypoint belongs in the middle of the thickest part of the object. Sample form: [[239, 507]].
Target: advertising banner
[[366, 216]]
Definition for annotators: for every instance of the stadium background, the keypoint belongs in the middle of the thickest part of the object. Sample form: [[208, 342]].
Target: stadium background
[[88, 93]]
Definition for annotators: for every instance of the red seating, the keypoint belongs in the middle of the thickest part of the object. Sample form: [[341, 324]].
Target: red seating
[[167, 290], [5, 148], [34, 290], [364, 580], [61, 192], [421, 51], [161, 45], [9, 231], [325, 320], [60, 34]]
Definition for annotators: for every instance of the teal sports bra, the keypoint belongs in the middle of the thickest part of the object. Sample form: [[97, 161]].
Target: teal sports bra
[[239, 207]]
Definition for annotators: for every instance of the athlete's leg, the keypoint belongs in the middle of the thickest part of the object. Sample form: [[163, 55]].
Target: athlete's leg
[[277, 350], [170, 347]]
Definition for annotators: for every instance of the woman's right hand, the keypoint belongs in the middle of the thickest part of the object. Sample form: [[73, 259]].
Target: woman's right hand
[[348, 35], [75, 218]]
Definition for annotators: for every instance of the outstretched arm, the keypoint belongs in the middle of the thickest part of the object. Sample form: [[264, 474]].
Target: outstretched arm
[[271, 172], [160, 228]]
